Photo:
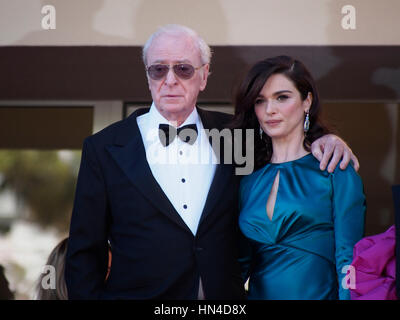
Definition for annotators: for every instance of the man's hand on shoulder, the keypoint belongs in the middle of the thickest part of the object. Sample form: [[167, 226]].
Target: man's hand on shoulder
[[332, 146]]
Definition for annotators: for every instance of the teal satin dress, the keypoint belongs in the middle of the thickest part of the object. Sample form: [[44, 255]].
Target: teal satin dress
[[317, 219]]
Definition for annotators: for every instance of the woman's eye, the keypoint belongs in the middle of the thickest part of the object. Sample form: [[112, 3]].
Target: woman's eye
[[282, 98], [259, 101]]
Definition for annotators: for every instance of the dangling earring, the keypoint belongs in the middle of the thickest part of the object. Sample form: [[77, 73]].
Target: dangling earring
[[307, 122], [261, 133]]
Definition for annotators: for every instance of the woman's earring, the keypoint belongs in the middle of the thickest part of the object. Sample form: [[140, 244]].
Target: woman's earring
[[307, 122], [261, 133]]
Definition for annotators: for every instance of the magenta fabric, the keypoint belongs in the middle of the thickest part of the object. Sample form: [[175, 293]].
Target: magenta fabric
[[374, 261]]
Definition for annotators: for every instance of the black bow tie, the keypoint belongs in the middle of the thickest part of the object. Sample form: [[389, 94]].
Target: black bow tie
[[167, 133]]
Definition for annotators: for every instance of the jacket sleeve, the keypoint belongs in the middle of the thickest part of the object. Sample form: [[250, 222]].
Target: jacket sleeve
[[245, 248], [87, 253]]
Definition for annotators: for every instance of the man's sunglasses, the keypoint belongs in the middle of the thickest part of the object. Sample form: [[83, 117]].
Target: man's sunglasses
[[182, 70]]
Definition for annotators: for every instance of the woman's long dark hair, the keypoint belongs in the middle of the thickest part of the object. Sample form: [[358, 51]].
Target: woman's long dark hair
[[249, 89]]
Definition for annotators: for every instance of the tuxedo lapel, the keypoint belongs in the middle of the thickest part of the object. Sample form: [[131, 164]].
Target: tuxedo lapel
[[223, 171], [129, 153]]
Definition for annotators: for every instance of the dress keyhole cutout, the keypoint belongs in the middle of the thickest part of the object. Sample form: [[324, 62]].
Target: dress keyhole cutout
[[272, 197]]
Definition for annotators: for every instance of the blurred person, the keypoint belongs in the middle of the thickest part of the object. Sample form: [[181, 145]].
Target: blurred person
[[173, 228], [301, 223], [56, 259], [5, 292]]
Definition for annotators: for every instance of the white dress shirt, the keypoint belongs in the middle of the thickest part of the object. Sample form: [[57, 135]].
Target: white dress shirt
[[183, 171]]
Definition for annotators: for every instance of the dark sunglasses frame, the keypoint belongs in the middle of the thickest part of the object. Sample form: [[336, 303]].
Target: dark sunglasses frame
[[177, 68]]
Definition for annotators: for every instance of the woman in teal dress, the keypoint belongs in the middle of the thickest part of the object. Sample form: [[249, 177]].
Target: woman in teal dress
[[300, 223]]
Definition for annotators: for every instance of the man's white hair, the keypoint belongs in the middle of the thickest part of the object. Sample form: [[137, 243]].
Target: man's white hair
[[176, 29]]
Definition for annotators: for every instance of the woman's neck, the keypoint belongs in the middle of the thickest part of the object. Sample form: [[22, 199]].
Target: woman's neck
[[288, 149]]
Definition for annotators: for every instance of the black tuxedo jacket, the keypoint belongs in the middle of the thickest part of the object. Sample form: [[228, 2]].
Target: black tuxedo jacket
[[154, 253]]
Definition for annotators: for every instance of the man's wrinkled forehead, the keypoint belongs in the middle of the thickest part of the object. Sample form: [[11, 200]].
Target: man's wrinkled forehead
[[173, 48], [167, 61]]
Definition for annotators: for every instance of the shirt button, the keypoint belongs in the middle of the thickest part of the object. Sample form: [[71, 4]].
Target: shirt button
[[184, 206], [181, 152], [183, 180]]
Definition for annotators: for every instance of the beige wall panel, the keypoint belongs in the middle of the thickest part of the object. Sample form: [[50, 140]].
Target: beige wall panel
[[220, 22]]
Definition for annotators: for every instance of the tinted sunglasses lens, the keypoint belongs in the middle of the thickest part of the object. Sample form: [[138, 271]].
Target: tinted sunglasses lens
[[184, 71], [157, 71]]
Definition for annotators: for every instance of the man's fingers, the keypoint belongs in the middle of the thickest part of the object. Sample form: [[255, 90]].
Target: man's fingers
[[355, 162], [316, 151], [328, 150], [337, 155], [346, 159]]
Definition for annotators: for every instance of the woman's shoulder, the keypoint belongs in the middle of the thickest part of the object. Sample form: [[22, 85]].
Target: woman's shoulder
[[349, 171], [249, 181], [314, 164], [250, 177], [309, 165], [348, 180]]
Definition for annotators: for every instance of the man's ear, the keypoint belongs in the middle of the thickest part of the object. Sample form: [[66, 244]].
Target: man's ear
[[204, 76], [148, 80]]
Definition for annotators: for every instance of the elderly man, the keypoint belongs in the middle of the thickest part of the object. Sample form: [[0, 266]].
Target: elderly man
[[171, 224]]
